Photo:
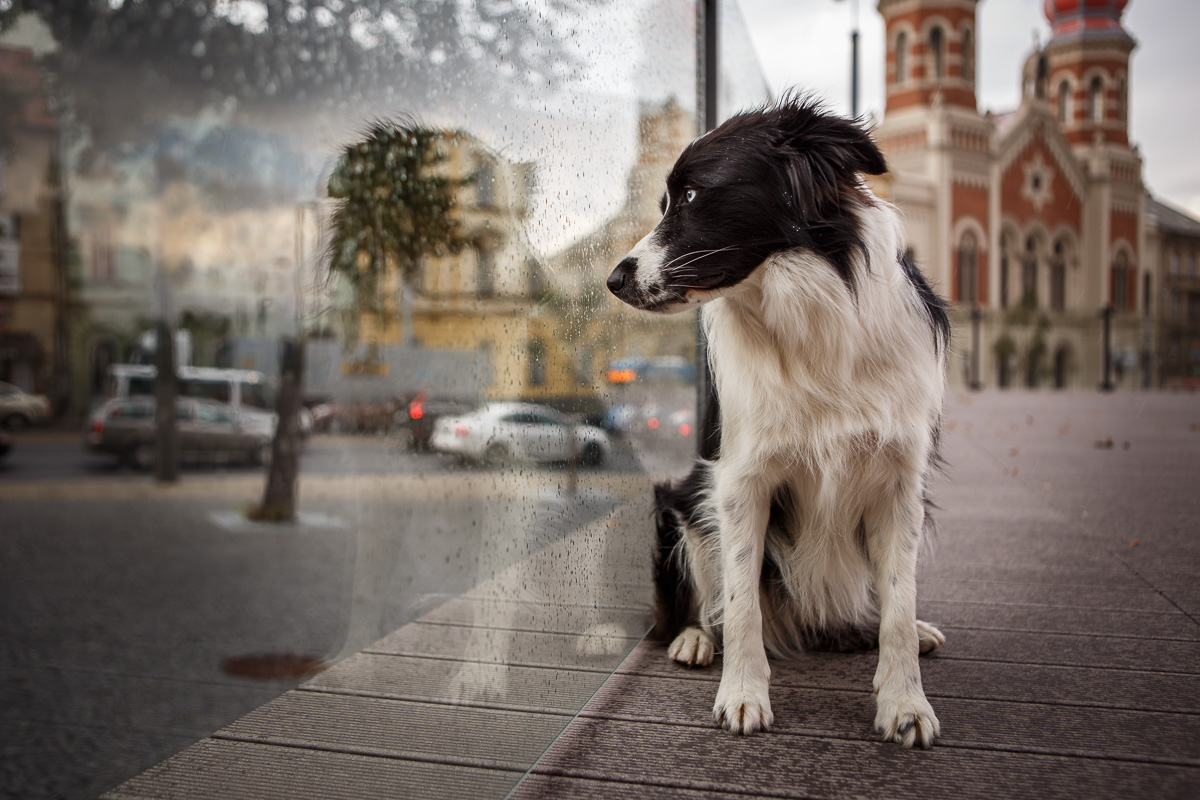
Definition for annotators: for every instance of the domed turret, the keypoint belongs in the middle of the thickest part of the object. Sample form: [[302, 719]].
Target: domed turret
[[1069, 17], [1084, 70]]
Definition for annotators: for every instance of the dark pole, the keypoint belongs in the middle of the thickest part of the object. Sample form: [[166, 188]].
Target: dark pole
[[854, 59], [976, 316], [854, 71], [707, 407], [1106, 384]]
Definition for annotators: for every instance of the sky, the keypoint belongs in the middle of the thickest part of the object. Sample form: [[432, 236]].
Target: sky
[[806, 43]]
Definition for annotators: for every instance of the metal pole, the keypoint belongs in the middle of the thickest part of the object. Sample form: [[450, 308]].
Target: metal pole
[[707, 408], [854, 72], [1106, 384], [976, 316]]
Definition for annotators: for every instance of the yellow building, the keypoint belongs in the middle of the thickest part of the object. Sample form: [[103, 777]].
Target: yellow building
[[487, 298]]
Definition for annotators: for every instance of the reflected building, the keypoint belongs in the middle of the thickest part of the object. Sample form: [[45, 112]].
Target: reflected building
[[480, 306], [617, 330], [33, 257], [1034, 223]]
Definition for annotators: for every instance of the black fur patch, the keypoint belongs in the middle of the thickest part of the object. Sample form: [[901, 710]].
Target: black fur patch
[[674, 596], [935, 306]]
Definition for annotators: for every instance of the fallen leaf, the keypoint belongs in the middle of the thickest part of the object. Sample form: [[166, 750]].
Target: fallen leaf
[[1136, 542], [1015, 451]]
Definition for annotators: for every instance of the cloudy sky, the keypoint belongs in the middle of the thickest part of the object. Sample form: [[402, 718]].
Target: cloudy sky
[[806, 43]]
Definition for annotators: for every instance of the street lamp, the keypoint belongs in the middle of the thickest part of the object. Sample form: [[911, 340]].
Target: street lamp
[[853, 58], [1106, 314]]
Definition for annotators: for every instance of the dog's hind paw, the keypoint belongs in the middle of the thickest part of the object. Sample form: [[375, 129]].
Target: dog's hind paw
[[930, 638], [743, 711], [906, 720], [693, 647]]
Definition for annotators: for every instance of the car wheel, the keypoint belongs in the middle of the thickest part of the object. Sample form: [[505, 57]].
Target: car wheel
[[16, 422], [142, 455], [593, 454], [497, 454], [261, 454]]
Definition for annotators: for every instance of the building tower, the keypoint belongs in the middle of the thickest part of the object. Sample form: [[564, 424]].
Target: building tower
[[1083, 74], [937, 143]]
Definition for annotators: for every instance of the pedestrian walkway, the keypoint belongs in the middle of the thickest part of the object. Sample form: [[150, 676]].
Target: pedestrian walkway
[[1065, 576]]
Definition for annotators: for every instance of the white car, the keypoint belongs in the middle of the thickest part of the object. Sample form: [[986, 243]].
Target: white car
[[19, 409], [499, 432]]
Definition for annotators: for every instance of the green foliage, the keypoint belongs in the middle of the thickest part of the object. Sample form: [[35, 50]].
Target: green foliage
[[396, 203]]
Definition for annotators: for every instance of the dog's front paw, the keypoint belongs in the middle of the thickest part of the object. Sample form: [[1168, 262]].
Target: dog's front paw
[[693, 647], [929, 638], [743, 709], [906, 719]]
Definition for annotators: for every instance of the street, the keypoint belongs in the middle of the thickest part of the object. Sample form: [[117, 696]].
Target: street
[[138, 617]]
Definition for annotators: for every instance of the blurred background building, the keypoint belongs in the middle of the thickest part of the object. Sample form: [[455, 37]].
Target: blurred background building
[[1036, 223]]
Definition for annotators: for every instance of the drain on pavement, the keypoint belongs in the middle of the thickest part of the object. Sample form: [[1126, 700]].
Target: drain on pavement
[[272, 666]]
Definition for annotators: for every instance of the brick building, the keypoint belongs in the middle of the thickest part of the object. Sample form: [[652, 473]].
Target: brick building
[[1035, 223]]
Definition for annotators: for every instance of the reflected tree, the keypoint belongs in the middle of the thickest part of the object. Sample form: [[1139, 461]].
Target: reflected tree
[[396, 208]]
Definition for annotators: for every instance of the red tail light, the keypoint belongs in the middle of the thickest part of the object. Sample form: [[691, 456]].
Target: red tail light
[[685, 429], [98, 425], [461, 430], [652, 423]]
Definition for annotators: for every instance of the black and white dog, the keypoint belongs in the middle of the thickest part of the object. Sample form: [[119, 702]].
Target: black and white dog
[[827, 349]]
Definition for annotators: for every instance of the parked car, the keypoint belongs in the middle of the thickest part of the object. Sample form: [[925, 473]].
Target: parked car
[[20, 409], [358, 416], [416, 421], [207, 430], [498, 432]]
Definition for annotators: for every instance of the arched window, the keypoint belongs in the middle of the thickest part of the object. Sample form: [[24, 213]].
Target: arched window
[[937, 51], [1040, 87], [1029, 273], [901, 57], [1058, 276], [1122, 99], [968, 269], [1064, 102], [1121, 299], [1096, 100], [968, 48]]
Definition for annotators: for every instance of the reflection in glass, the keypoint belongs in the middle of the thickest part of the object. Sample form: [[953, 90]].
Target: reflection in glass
[[385, 215]]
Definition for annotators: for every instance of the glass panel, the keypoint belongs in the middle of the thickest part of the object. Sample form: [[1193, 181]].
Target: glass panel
[[359, 222]]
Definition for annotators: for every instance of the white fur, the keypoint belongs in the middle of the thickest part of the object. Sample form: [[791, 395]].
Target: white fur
[[835, 396]]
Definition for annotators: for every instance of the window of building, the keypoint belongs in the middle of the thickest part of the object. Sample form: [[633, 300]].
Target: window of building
[[1064, 102], [1029, 274], [1122, 99], [937, 52], [968, 48], [1120, 293], [902, 57], [485, 186], [968, 269], [1096, 100], [485, 270], [1058, 277]]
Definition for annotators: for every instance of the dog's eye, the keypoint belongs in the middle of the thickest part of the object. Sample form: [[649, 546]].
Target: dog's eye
[[689, 195]]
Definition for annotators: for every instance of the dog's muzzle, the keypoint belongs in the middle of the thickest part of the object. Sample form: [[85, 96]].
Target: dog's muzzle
[[622, 282]]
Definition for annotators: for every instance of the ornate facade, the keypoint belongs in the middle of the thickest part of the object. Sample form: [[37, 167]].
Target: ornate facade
[[1034, 223]]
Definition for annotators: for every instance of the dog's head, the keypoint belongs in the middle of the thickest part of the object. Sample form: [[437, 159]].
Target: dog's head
[[785, 176]]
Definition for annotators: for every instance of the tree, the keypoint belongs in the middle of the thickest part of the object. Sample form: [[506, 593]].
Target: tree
[[397, 203]]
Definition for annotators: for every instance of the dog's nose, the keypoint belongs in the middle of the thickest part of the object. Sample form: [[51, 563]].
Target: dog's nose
[[616, 281]]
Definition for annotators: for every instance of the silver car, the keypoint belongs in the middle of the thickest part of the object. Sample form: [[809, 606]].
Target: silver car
[[20, 409], [499, 432], [207, 431]]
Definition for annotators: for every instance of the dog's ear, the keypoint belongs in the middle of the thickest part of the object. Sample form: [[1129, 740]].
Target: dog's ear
[[807, 130], [823, 156]]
